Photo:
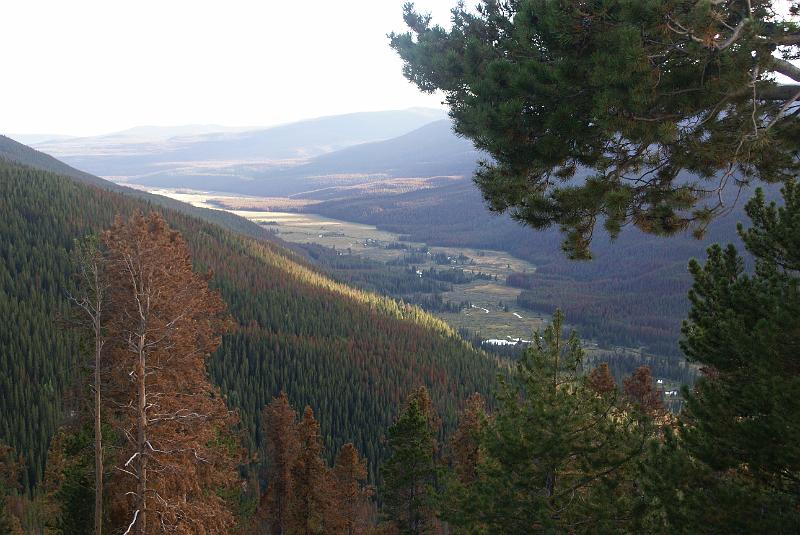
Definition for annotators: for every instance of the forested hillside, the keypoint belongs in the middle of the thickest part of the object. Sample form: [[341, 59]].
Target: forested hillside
[[352, 356], [13, 151], [17, 152]]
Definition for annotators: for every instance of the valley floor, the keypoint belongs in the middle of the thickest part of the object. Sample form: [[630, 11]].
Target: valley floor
[[493, 312]]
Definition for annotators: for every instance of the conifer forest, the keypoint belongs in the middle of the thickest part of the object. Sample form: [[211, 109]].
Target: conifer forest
[[620, 176]]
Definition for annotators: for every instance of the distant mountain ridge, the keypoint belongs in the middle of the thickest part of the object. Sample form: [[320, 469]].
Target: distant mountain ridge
[[154, 132], [33, 139], [428, 151], [146, 151], [431, 150]]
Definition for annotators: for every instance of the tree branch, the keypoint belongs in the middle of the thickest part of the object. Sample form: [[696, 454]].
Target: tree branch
[[734, 36], [135, 516], [787, 69], [791, 39], [785, 107], [778, 92]]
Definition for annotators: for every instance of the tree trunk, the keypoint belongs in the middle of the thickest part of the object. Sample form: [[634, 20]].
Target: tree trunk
[[98, 439], [141, 442]]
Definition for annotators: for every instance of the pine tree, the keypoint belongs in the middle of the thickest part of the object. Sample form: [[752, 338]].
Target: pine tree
[[351, 507], [423, 398], [68, 478], [602, 111], [311, 494], [176, 451], [91, 304], [465, 442], [639, 390], [738, 452], [555, 457], [600, 379], [409, 474], [282, 447]]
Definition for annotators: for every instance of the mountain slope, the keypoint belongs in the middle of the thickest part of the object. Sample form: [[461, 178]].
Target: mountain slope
[[352, 356], [14, 151]]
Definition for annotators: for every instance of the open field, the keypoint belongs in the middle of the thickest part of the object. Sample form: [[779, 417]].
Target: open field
[[230, 202], [375, 244], [489, 316]]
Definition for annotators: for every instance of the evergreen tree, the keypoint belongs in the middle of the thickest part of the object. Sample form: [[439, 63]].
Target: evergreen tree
[[351, 506], [310, 504], [91, 303], [739, 450], [600, 379], [422, 397], [465, 442], [556, 456], [600, 111], [176, 452], [641, 393], [69, 479], [409, 474], [282, 447]]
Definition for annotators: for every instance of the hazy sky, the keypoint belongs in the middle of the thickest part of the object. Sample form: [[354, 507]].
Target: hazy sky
[[86, 67], [94, 66]]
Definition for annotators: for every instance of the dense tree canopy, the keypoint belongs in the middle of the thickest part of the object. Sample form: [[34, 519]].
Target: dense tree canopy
[[646, 112], [559, 455]]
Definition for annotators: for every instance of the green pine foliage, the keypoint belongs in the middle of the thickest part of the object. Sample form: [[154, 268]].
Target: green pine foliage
[[739, 449], [613, 112], [409, 474], [70, 480], [351, 355], [557, 456]]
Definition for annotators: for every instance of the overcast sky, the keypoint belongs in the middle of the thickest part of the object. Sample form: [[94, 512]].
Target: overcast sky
[[85, 67]]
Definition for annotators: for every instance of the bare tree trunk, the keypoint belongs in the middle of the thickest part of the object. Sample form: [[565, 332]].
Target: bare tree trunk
[[141, 441], [91, 301], [98, 438]]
